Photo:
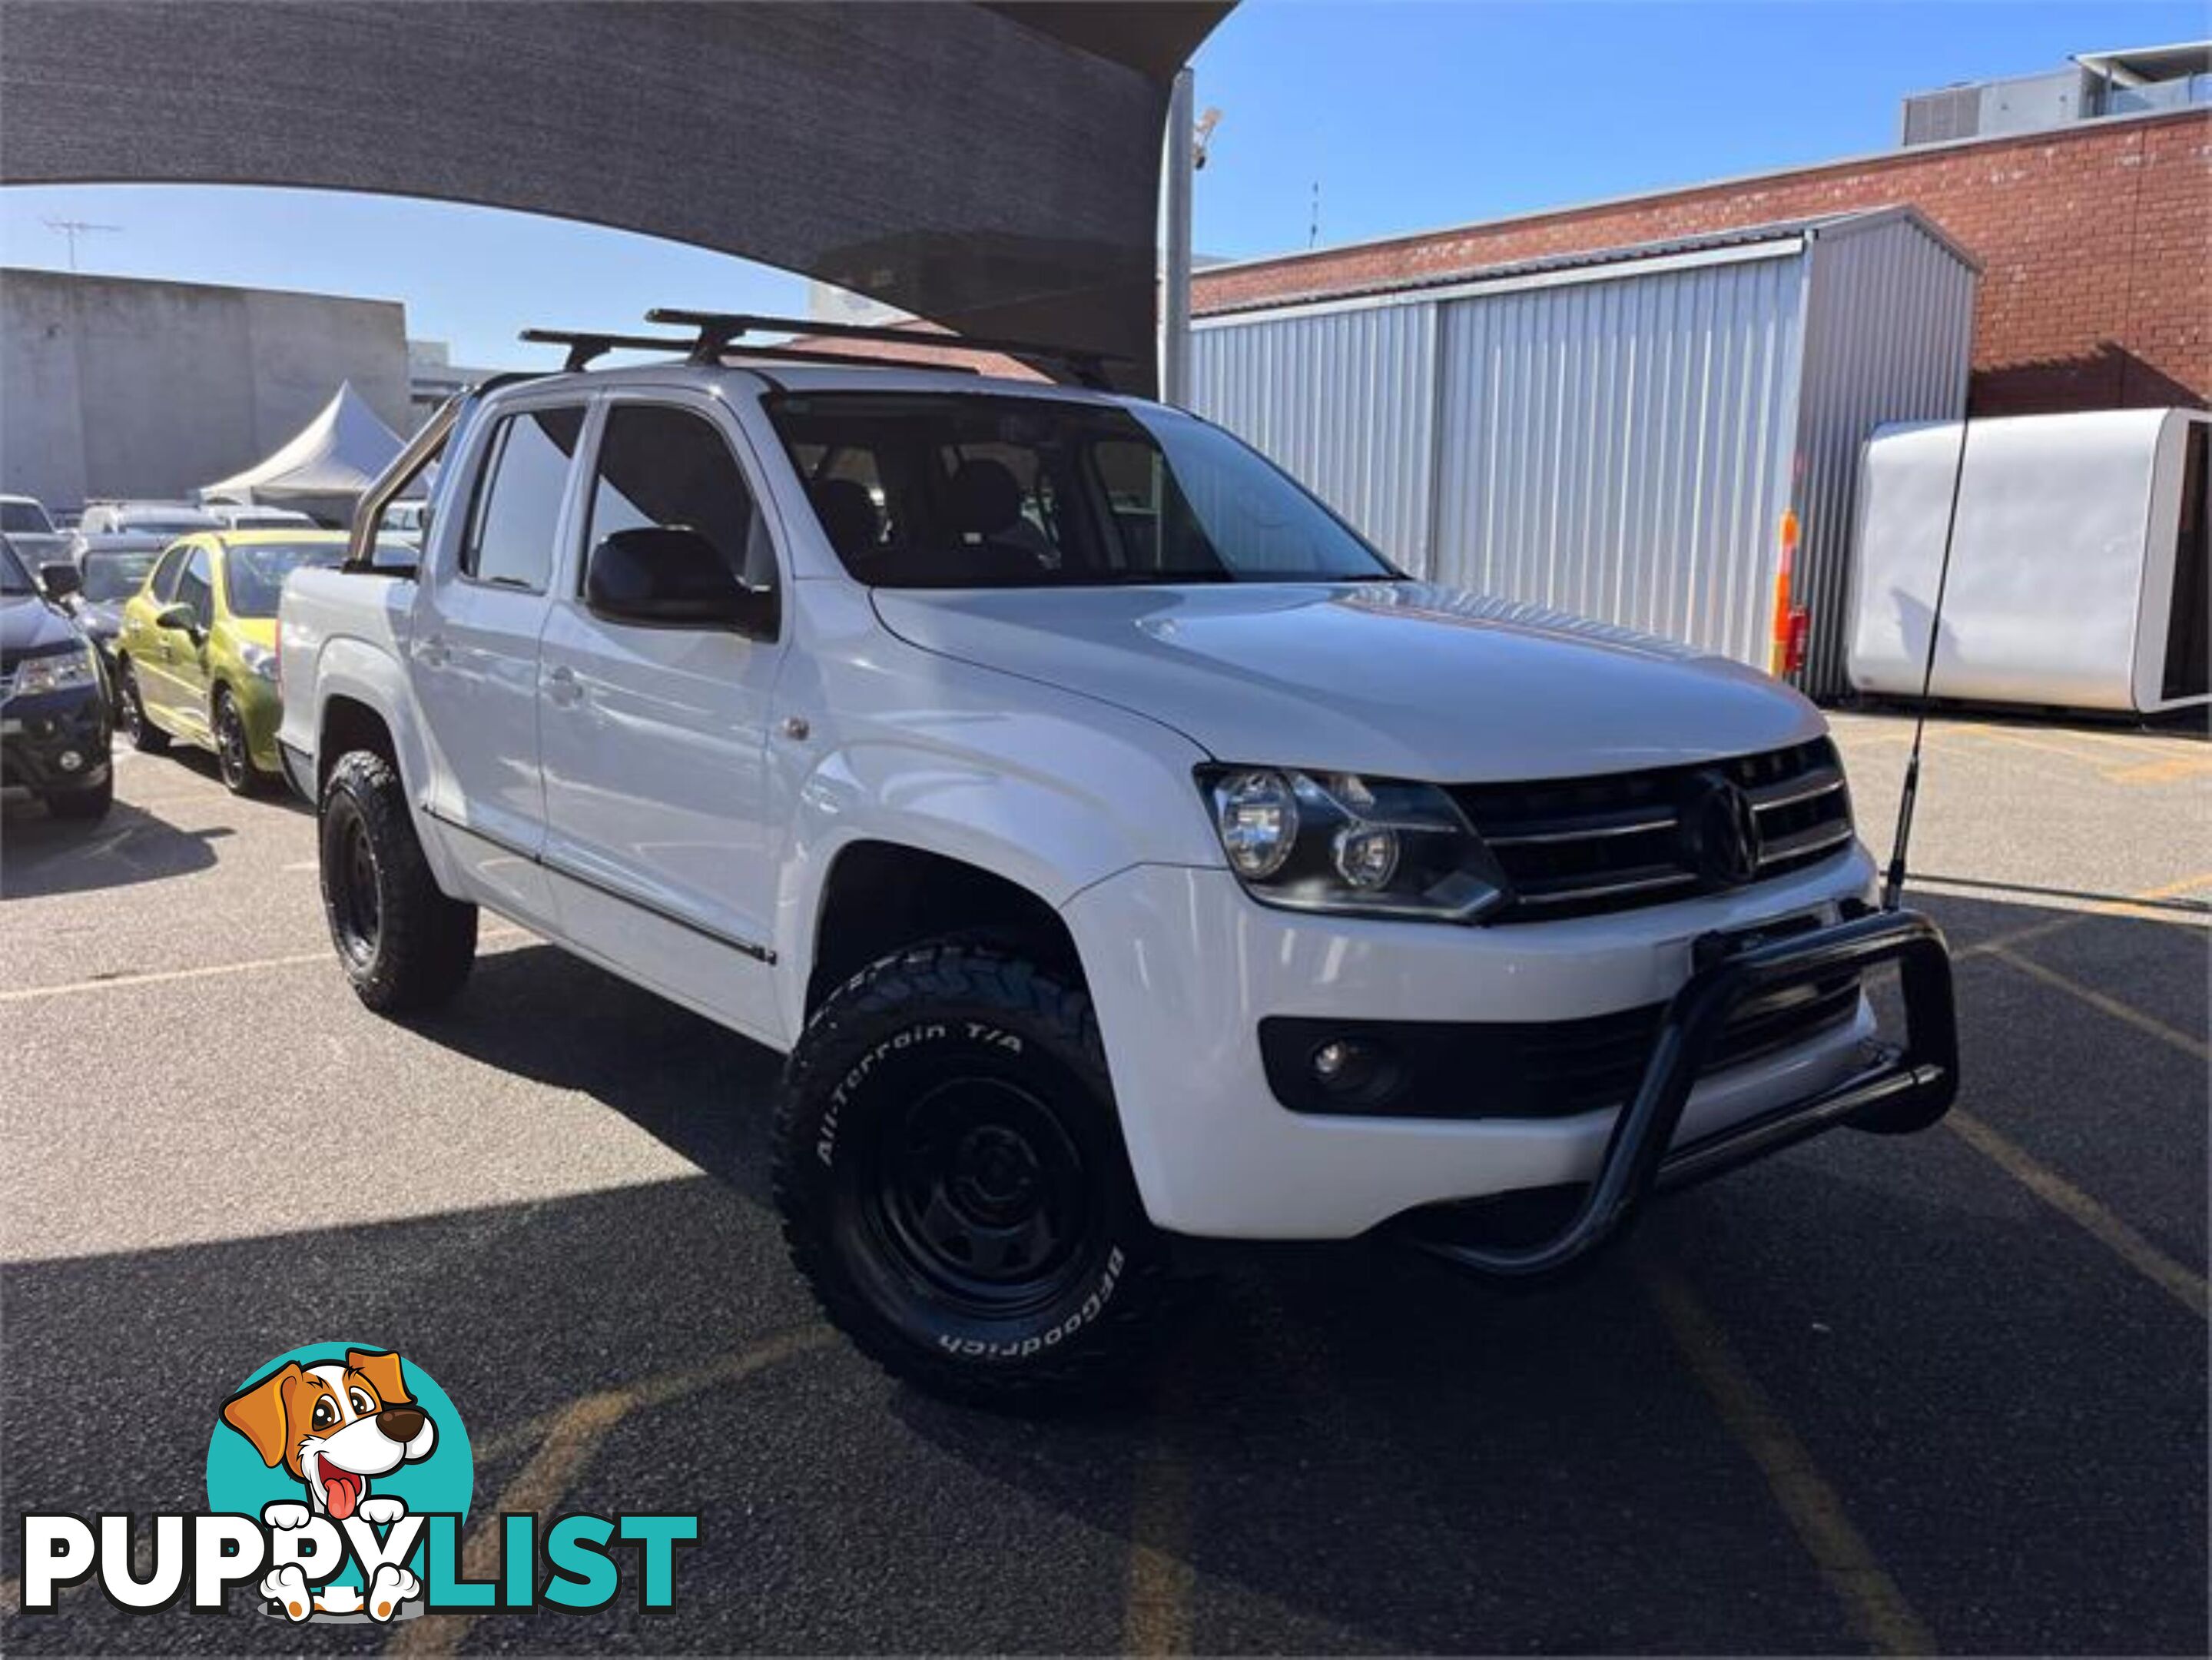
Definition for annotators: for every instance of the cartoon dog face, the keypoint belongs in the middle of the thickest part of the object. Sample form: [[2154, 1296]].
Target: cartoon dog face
[[334, 1425]]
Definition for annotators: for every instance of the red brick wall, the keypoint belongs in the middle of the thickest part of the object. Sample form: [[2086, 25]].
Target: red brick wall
[[2095, 244]]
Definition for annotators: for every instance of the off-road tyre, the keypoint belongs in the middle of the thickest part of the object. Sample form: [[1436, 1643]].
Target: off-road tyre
[[91, 802], [234, 751], [955, 1097], [405, 946], [131, 709]]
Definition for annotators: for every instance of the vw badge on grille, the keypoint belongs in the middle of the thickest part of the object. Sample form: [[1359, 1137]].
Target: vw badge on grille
[[1720, 831]]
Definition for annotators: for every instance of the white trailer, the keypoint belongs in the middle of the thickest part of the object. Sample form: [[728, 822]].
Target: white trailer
[[2078, 567]]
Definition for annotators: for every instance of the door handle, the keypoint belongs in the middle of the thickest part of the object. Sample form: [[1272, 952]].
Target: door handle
[[563, 686], [434, 653]]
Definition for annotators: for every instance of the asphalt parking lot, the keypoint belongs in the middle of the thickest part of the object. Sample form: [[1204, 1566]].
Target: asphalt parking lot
[[1945, 1393]]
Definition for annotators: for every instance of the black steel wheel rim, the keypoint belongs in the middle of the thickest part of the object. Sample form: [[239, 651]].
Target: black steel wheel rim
[[357, 907], [230, 743], [981, 1195]]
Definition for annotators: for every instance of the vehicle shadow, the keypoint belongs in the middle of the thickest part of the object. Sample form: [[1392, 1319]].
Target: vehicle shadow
[[1348, 1447], [704, 1091], [42, 855], [270, 791], [1351, 1449]]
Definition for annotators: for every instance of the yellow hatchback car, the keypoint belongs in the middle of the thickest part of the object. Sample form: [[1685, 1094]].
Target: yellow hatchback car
[[196, 657]]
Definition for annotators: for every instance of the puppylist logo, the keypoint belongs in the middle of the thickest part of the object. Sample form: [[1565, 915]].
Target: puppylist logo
[[339, 1478]]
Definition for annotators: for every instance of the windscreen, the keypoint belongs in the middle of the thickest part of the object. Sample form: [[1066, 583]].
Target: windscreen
[[254, 577], [938, 490], [112, 576], [181, 526], [26, 516], [14, 578]]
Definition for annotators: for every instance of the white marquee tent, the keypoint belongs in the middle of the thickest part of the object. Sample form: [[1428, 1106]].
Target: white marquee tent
[[324, 467]]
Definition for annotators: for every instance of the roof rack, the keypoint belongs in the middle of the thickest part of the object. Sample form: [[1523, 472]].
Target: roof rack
[[718, 333], [586, 346]]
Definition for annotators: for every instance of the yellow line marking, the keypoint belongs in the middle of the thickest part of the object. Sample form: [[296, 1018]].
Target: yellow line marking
[[2183, 1285], [2112, 1006], [2171, 771], [1871, 1598], [212, 970], [1852, 738], [1156, 1599], [570, 1436], [2048, 748], [2176, 890], [2128, 908], [2143, 743]]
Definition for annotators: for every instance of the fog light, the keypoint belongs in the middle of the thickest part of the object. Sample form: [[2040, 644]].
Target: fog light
[[69, 760], [1345, 1066]]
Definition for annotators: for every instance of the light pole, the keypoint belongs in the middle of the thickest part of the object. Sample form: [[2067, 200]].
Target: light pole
[[1175, 244]]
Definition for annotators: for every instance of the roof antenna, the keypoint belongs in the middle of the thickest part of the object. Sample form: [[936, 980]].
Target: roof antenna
[[1313, 224], [1893, 886]]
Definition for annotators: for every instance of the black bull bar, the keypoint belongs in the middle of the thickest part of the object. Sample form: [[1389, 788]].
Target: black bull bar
[[1905, 1087]]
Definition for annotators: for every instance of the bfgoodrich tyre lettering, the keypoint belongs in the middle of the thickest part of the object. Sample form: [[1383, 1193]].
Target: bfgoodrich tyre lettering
[[953, 1182]]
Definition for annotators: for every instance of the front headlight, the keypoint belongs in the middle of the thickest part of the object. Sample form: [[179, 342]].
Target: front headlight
[[1361, 847], [60, 671], [259, 659]]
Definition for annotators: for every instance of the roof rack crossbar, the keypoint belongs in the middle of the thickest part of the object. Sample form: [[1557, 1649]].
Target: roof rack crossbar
[[801, 355], [718, 331], [586, 345]]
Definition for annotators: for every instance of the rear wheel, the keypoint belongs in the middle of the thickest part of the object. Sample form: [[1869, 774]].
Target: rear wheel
[[403, 944], [953, 1184], [145, 736], [233, 755]]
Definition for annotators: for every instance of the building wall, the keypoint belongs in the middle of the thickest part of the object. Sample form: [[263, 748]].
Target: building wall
[[1345, 402], [115, 387], [2095, 243], [1618, 441]]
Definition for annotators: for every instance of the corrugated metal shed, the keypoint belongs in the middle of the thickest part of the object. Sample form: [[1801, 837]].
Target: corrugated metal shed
[[1617, 434]]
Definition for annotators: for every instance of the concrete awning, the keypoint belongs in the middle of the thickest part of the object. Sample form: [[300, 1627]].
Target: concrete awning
[[993, 168]]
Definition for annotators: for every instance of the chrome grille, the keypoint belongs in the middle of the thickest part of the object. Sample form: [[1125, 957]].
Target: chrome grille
[[1575, 847]]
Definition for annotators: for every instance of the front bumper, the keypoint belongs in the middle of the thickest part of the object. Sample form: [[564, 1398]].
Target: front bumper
[[1898, 1086], [1183, 966], [40, 735]]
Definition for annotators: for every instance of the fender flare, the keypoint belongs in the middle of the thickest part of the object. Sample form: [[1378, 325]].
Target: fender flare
[[359, 672], [970, 815]]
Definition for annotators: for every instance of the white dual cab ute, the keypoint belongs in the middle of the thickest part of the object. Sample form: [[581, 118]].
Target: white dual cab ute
[[1118, 846]]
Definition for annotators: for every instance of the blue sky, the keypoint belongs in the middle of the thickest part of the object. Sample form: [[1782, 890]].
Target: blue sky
[[1409, 115]]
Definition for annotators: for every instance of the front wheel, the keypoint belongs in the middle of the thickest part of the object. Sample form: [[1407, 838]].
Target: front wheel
[[953, 1184], [403, 944]]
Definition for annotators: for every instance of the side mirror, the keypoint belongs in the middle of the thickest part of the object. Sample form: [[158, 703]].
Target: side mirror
[[61, 579], [670, 576], [178, 617]]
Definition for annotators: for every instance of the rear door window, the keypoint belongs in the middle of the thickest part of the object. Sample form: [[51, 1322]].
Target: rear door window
[[517, 511]]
